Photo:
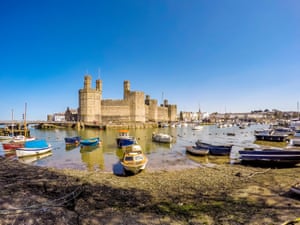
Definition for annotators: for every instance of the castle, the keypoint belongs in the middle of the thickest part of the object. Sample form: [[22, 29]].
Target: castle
[[134, 107]]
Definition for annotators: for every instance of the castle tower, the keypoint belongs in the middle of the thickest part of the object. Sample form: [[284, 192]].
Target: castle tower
[[99, 86], [147, 100], [172, 113], [87, 82], [126, 89], [166, 103], [90, 101]]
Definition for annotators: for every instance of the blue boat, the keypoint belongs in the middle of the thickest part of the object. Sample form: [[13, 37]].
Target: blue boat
[[270, 135], [72, 140], [90, 142], [124, 140], [215, 149]]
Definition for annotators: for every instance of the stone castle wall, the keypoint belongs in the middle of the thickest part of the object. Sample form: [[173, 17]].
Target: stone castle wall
[[162, 114], [133, 108]]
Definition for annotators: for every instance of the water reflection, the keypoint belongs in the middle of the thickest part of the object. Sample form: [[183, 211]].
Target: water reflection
[[107, 156], [31, 159], [71, 147], [93, 157]]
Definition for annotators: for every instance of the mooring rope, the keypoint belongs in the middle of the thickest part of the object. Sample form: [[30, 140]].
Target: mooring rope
[[44, 206]]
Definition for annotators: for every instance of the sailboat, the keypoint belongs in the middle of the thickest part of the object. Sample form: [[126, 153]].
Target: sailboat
[[22, 138]]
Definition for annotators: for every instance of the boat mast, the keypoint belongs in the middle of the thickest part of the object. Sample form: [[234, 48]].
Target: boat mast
[[25, 127], [12, 122], [298, 109]]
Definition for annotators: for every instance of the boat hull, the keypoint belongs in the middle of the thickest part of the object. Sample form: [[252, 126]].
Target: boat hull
[[275, 138], [215, 149], [134, 161], [124, 142], [23, 152], [72, 140], [291, 157], [194, 150], [12, 146], [90, 142], [162, 138]]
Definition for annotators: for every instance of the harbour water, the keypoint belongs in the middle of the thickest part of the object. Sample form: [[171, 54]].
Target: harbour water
[[105, 158]]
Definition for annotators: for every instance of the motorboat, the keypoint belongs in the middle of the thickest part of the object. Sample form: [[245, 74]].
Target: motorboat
[[124, 139], [134, 161]]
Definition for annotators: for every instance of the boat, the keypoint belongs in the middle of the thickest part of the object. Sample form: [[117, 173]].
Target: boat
[[195, 150], [12, 145], [295, 188], [214, 149], [32, 148], [22, 138], [270, 135], [162, 138], [72, 140], [134, 161], [295, 141], [5, 138], [134, 147], [90, 141], [124, 139], [31, 159], [278, 156], [197, 127]]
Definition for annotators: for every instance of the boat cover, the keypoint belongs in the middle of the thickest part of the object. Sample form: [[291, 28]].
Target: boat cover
[[36, 144]]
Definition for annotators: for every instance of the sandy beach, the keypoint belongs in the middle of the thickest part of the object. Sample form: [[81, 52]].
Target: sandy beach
[[219, 194]]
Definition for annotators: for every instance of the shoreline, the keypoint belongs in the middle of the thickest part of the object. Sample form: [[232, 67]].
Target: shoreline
[[223, 194]]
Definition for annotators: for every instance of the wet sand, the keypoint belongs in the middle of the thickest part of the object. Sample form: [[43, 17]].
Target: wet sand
[[208, 194]]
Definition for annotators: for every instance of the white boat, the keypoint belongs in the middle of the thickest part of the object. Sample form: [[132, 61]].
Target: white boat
[[197, 127], [134, 161], [162, 138], [295, 141], [35, 147], [22, 138], [5, 138]]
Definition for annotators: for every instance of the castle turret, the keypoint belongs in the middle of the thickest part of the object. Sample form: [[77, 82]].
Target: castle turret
[[126, 89], [99, 85], [166, 103], [147, 100], [87, 82]]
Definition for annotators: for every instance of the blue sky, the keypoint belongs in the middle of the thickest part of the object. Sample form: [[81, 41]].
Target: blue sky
[[224, 56]]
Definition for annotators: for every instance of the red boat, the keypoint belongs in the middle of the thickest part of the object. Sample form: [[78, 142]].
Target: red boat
[[12, 145]]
